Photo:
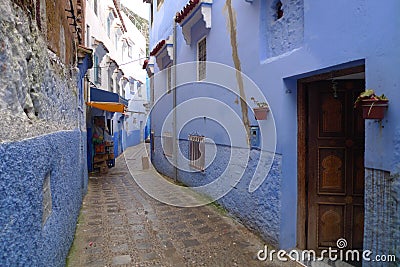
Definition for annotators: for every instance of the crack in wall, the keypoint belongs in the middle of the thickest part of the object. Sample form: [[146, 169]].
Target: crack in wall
[[231, 24]]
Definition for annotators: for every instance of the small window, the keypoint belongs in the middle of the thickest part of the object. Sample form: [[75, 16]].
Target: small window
[[151, 15], [141, 57], [97, 70], [197, 152], [110, 80], [123, 51], [167, 144], [279, 10], [129, 51], [95, 7], [116, 42], [139, 89], [201, 59], [47, 205], [88, 36], [169, 79], [117, 89], [108, 26]]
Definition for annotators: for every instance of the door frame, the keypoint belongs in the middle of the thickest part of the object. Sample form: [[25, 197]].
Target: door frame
[[302, 127]]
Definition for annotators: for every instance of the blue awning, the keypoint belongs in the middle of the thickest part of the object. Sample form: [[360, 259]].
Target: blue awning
[[123, 101], [98, 95]]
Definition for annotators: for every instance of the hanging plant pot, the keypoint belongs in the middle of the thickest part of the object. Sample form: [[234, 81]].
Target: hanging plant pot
[[261, 113], [374, 109]]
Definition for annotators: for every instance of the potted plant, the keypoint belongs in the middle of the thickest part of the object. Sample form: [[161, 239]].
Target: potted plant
[[373, 106], [261, 111]]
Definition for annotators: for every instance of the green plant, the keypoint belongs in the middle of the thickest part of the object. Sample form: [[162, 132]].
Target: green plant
[[370, 95], [260, 104]]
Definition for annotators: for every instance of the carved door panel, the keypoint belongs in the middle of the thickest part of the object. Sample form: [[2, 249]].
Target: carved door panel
[[335, 165]]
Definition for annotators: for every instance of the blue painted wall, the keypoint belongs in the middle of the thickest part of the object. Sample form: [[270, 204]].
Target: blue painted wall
[[24, 165], [115, 140], [132, 138], [308, 40]]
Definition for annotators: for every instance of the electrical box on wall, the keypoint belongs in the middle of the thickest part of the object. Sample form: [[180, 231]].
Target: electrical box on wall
[[255, 136]]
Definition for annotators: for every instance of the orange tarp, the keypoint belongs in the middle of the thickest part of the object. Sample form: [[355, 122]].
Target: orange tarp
[[108, 106]]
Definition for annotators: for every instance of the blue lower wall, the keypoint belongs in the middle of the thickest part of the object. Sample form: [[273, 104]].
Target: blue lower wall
[[259, 211], [24, 165], [132, 138], [117, 139]]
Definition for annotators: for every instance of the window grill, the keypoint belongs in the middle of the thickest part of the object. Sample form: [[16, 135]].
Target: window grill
[[167, 144], [110, 80], [97, 70], [197, 152], [201, 59]]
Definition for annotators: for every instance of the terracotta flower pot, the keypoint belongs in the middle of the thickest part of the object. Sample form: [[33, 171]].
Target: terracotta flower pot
[[261, 113], [374, 109]]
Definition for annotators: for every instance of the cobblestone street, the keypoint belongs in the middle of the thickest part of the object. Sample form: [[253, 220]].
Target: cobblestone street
[[120, 224]]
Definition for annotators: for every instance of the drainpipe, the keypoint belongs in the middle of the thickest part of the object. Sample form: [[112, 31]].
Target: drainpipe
[[174, 126]]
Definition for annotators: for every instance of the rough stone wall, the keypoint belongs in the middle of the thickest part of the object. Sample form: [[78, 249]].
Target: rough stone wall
[[38, 92], [382, 209], [41, 134], [382, 212], [24, 240], [259, 211], [286, 33]]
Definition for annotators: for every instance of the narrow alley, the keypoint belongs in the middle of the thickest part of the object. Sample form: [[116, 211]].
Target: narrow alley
[[199, 133], [120, 224]]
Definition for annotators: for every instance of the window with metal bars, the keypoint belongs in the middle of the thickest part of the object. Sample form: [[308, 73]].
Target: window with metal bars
[[167, 144], [201, 59], [197, 152], [110, 81], [97, 70]]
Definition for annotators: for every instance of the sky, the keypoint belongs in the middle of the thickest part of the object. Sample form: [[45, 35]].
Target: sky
[[137, 6]]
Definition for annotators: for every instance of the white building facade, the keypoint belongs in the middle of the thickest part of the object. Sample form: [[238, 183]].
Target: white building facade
[[119, 51]]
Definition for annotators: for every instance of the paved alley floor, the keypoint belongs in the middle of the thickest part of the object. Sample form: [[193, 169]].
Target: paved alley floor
[[121, 225]]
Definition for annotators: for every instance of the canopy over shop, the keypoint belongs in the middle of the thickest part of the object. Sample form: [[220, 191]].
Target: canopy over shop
[[101, 145]]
